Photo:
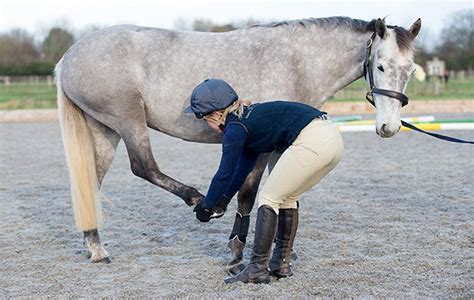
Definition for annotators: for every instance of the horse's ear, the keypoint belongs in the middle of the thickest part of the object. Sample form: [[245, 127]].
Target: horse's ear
[[380, 28], [415, 28]]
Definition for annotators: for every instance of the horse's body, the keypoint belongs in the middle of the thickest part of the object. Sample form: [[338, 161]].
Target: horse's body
[[161, 67], [121, 80]]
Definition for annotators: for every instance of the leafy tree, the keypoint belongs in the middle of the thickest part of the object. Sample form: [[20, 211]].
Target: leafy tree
[[56, 43]]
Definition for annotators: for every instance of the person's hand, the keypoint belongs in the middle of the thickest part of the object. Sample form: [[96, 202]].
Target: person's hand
[[203, 213]]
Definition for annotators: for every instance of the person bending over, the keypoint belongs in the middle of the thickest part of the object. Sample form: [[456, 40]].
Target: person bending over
[[311, 147]]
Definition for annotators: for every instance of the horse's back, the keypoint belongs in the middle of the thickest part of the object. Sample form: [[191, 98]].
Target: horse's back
[[123, 66]]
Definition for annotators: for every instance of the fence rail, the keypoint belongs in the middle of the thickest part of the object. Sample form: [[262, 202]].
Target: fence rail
[[38, 80]]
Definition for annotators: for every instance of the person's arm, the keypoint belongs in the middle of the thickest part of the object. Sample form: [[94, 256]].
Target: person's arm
[[245, 166], [247, 162], [233, 143]]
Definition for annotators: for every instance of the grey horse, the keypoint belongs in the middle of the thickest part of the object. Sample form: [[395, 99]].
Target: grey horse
[[115, 83]]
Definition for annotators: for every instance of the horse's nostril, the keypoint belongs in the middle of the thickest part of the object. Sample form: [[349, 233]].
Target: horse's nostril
[[384, 126]]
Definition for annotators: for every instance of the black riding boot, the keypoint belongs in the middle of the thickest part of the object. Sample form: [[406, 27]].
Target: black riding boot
[[257, 270], [280, 265]]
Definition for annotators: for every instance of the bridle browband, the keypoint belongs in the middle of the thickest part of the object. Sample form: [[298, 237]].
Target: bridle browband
[[369, 73], [397, 95]]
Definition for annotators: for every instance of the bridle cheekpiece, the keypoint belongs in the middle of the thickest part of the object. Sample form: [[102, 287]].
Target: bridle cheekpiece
[[369, 73]]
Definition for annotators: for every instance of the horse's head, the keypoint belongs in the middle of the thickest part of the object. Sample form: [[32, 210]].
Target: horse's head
[[391, 65]]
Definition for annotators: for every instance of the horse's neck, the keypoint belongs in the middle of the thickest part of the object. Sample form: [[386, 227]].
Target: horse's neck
[[335, 61]]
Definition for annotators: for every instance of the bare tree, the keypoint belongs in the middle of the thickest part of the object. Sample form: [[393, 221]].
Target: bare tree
[[457, 41], [17, 48]]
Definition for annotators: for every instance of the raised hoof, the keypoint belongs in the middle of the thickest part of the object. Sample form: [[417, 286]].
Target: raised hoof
[[105, 260], [217, 212]]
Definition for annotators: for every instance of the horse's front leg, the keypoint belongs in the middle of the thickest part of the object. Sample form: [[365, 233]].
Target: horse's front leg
[[246, 200]]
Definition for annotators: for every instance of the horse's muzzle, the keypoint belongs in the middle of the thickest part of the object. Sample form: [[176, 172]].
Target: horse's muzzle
[[385, 131]]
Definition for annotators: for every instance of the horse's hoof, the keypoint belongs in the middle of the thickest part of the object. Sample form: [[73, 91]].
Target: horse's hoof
[[217, 212], [105, 260], [235, 267]]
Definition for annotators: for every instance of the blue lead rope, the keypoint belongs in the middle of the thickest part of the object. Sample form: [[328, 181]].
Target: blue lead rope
[[436, 135]]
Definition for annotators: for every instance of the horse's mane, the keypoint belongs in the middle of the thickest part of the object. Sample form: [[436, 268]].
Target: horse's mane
[[324, 23], [404, 37]]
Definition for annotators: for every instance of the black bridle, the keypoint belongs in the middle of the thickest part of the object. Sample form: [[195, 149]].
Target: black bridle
[[369, 75]]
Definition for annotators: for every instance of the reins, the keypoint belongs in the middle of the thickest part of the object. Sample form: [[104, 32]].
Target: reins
[[368, 74]]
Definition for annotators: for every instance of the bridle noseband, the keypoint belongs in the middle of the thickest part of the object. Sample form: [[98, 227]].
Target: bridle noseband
[[374, 90]]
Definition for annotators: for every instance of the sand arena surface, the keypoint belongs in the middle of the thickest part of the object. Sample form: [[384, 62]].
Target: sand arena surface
[[394, 219]]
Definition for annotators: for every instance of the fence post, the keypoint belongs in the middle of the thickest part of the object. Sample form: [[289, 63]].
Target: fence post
[[436, 85], [49, 81], [6, 80]]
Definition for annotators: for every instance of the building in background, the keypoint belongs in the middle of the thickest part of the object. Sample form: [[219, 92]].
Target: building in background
[[436, 67]]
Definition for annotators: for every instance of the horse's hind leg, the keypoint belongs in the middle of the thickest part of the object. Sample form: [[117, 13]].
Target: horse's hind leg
[[105, 142], [246, 200]]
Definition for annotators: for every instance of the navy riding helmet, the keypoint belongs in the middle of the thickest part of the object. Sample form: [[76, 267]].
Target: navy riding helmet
[[211, 95]]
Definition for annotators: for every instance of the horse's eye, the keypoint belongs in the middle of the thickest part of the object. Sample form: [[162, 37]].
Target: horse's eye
[[380, 68]]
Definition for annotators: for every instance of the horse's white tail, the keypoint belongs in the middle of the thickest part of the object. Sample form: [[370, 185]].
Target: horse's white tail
[[80, 156]]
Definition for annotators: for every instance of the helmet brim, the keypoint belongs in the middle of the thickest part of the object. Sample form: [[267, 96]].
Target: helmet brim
[[189, 110]]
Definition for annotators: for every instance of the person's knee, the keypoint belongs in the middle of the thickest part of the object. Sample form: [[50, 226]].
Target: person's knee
[[289, 205], [265, 199]]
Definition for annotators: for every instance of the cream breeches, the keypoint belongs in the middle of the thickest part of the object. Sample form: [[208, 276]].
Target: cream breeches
[[315, 152]]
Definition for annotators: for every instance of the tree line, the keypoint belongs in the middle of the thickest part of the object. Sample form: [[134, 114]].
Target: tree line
[[21, 54]]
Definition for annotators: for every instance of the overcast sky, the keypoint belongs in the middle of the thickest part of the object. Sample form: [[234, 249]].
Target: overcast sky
[[38, 16]]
